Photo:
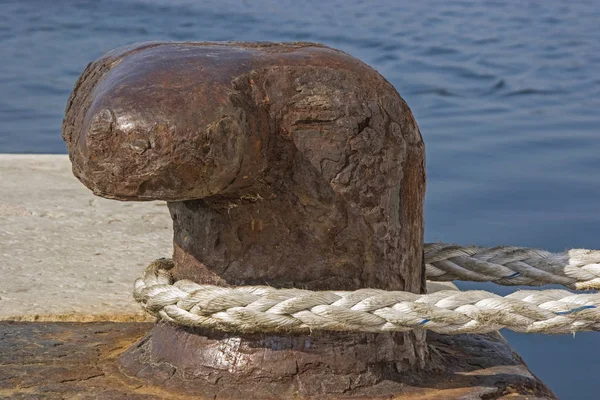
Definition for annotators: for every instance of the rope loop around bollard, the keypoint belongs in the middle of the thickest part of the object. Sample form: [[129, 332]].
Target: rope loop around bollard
[[252, 309]]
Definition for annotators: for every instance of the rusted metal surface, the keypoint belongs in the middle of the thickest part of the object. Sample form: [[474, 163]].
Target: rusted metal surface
[[291, 165], [284, 164], [79, 360]]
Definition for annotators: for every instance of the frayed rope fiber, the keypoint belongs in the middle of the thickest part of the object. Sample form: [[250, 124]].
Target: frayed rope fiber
[[268, 310]]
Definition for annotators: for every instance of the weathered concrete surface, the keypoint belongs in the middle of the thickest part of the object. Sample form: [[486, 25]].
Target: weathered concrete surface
[[74, 360], [67, 254]]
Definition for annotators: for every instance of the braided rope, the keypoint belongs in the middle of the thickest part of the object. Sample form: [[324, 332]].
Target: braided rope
[[576, 269], [265, 309]]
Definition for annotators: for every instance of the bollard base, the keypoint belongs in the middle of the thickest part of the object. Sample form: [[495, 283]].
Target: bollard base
[[215, 364], [65, 360]]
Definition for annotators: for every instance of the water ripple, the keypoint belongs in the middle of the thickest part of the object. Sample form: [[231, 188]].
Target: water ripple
[[532, 91]]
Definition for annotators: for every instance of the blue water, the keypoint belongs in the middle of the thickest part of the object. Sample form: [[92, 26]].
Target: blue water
[[507, 96]]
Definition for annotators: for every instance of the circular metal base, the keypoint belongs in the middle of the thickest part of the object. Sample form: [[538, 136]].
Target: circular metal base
[[209, 363]]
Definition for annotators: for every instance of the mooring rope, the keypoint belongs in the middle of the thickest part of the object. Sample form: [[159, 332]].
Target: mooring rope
[[576, 269], [268, 310]]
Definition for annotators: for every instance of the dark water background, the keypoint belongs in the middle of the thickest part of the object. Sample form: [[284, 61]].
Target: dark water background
[[507, 96]]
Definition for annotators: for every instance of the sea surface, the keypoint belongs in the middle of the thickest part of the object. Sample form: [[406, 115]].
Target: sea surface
[[506, 94]]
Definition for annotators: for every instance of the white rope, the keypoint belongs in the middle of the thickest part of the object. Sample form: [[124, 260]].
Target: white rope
[[576, 269], [265, 309]]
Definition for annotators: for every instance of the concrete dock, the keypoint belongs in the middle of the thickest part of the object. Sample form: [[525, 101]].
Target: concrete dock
[[66, 254]]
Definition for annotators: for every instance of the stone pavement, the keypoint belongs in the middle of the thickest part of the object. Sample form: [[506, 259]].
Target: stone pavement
[[67, 254]]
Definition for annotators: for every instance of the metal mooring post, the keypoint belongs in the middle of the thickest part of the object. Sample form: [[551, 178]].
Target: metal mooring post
[[288, 165]]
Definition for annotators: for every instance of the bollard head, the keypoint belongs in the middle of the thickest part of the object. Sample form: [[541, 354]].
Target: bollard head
[[181, 121]]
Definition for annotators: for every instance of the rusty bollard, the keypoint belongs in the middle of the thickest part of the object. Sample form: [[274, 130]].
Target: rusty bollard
[[289, 165]]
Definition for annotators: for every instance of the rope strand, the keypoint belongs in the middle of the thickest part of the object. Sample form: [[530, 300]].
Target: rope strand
[[510, 266]]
